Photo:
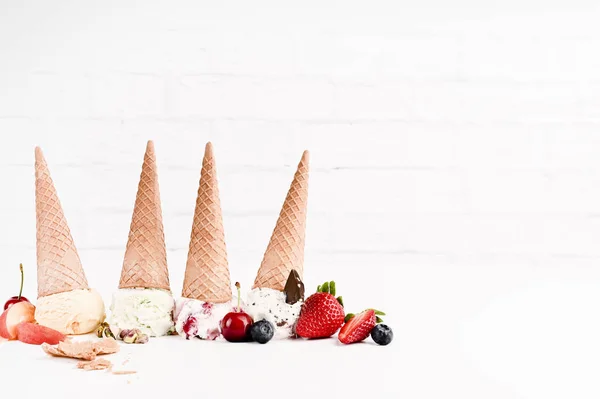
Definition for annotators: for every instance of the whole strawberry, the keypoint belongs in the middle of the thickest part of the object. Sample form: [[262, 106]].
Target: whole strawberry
[[322, 314], [358, 327]]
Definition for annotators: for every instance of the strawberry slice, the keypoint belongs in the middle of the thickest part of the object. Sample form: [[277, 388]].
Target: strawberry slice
[[358, 327]]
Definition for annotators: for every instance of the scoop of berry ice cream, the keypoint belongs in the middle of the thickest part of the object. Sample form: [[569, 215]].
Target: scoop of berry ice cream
[[200, 319]]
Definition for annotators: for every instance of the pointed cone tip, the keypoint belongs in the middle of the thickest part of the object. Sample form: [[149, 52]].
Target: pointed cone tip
[[39, 155], [209, 166], [149, 154], [208, 150], [305, 156], [304, 161]]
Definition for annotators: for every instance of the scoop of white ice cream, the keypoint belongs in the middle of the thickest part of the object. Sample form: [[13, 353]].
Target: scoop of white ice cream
[[148, 309], [270, 305], [201, 319], [72, 313]]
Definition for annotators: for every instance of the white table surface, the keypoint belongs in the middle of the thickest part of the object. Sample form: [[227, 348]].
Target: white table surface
[[457, 334]]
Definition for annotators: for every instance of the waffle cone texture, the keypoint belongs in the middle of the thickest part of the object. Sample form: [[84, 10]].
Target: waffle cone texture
[[286, 247], [59, 268], [207, 275], [145, 262]]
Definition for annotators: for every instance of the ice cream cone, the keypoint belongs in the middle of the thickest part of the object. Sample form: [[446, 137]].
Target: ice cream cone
[[145, 263], [207, 272], [59, 267], [286, 248]]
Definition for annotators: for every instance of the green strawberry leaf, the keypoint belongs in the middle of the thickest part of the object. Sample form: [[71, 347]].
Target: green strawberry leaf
[[332, 288]]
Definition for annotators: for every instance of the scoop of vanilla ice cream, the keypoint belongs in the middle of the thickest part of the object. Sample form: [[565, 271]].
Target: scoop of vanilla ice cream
[[148, 309], [200, 319], [74, 312], [268, 304]]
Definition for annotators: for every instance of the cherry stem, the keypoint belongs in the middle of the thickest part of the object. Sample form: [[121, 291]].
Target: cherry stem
[[22, 278], [237, 285]]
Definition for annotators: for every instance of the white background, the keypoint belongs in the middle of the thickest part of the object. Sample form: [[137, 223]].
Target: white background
[[455, 179]]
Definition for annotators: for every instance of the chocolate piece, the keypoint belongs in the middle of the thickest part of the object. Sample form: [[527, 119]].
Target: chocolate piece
[[294, 288]]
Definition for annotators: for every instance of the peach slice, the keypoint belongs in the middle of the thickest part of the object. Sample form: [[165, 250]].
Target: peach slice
[[35, 334], [17, 313]]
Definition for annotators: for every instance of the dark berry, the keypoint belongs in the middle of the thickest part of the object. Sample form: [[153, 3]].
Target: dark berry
[[382, 334], [262, 331]]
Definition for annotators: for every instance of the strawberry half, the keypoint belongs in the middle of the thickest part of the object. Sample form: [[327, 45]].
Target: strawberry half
[[322, 314], [358, 327]]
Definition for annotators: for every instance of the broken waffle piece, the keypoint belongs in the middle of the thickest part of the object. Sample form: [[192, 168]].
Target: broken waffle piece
[[97, 364], [106, 346], [84, 350], [123, 372]]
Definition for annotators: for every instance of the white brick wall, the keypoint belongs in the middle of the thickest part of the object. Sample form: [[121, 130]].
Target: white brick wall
[[451, 141], [456, 129]]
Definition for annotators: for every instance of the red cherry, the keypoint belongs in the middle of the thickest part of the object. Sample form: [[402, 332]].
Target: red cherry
[[19, 298], [235, 326], [13, 300]]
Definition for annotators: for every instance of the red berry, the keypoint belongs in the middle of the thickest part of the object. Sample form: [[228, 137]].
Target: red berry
[[190, 327], [320, 317], [235, 326], [358, 327], [207, 308]]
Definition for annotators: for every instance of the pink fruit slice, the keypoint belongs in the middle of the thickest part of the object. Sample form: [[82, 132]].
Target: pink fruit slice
[[3, 331], [17, 313], [35, 334]]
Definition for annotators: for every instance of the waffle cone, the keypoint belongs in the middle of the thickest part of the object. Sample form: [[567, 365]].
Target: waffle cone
[[59, 267], [286, 248], [207, 271], [145, 263]]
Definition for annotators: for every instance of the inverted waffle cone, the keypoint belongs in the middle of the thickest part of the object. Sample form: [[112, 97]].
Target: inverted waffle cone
[[207, 272], [145, 263], [59, 267], [286, 247]]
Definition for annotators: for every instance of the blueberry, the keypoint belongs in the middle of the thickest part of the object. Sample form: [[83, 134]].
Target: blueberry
[[382, 334], [262, 331]]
